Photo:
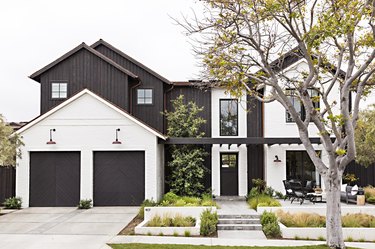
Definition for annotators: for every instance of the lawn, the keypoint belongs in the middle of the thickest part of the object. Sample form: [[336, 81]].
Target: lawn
[[153, 246]]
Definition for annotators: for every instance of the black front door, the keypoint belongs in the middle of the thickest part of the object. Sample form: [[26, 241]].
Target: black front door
[[229, 174]]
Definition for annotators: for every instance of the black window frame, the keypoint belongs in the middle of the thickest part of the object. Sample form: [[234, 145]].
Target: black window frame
[[144, 97], [220, 117], [59, 92], [294, 99], [305, 159]]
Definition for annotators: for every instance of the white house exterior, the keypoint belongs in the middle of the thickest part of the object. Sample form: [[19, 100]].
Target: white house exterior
[[86, 123]]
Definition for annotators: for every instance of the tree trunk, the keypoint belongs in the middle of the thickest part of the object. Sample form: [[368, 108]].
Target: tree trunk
[[335, 237]]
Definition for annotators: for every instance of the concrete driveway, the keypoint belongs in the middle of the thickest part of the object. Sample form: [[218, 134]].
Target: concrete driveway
[[63, 227]]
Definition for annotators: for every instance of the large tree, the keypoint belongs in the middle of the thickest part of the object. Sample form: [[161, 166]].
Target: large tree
[[239, 41], [9, 145]]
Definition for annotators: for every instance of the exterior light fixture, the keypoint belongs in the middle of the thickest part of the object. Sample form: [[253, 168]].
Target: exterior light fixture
[[50, 136], [116, 141], [277, 160]]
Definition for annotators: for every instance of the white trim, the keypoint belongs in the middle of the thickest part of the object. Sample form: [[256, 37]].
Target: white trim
[[106, 102]]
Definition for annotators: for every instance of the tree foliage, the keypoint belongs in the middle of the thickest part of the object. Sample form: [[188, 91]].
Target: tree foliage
[[244, 44], [9, 144], [365, 137], [187, 164]]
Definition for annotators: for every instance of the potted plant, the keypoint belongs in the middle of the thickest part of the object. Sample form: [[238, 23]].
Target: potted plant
[[350, 179], [318, 190]]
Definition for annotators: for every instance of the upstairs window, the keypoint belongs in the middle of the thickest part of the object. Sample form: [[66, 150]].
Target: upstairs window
[[228, 117], [59, 90], [292, 95], [144, 97]]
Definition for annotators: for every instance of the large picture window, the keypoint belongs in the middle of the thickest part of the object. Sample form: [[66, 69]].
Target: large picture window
[[298, 105], [300, 167], [228, 117]]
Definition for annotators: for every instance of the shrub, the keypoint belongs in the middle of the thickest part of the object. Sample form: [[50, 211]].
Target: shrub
[[170, 197], [259, 184], [268, 217], [371, 199], [279, 195], [85, 204], [270, 226], [358, 220], [209, 222], [187, 233], [13, 203], [269, 191], [264, 200], [370, 194]]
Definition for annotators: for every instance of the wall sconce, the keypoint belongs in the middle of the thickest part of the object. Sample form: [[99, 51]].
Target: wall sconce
[[277, 160], [50, 136], [116, 141]]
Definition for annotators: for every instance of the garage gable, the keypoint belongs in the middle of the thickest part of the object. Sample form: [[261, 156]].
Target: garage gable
[[88, 107]]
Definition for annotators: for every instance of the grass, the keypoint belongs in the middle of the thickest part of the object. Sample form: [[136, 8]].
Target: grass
[[153, 246], [176, 221], [370, 194]]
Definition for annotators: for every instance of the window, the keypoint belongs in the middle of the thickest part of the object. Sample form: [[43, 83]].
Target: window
[[229, 160], [300, 167], [59, 90], [228, 117], [298, 105], [144, 96]]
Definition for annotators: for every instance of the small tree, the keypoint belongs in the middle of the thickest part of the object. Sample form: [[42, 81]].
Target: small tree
[[9, 144], [187, 164], [365, 137]]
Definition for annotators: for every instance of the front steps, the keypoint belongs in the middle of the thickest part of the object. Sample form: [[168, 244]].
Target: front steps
[[239, 222]]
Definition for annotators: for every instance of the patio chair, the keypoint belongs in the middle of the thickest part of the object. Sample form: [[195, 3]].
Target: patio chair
[[297, 192], [288, 190]]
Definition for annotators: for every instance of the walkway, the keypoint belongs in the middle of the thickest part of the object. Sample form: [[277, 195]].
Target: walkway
[[238, 208]]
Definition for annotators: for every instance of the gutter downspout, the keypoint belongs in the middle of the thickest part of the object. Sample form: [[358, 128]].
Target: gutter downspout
[[131, 95]]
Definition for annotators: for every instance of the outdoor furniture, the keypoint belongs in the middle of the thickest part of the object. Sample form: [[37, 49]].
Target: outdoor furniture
[[288, 190], [314, 197], [297, 192], [347, 196]]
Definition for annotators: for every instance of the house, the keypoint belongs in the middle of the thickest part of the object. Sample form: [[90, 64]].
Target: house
[[100, 134]]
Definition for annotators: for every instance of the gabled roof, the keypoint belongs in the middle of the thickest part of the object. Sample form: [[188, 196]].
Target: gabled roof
[[102, 100], [109, 46], [35, 76]]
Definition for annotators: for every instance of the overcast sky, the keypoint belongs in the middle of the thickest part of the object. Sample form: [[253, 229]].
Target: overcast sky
[[34, 33]]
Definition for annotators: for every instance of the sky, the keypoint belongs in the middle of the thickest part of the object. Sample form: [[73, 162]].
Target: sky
[[35, 33]]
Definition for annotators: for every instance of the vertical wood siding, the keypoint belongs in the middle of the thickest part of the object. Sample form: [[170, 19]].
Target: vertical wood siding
[[7, 183], [150, 114], [255, 163], [200, 97], [366, 175], [85, 70]]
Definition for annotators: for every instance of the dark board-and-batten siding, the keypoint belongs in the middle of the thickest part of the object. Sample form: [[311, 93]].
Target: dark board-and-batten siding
[[366, 175], [150, 114], [200, 97], [85, 70]]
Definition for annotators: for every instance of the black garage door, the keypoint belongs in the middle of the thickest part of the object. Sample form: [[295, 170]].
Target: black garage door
[[54, 179], [119, 178]]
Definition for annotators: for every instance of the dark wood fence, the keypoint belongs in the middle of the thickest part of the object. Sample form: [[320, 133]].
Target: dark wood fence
[[7, 183], [366, 175]]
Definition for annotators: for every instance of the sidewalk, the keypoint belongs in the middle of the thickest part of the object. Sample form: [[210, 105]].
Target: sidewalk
[[224, 242]]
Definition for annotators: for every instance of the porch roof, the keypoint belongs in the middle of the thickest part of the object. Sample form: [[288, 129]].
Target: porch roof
[[237, 141]]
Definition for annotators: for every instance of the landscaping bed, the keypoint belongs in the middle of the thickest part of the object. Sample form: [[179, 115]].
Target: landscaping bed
[[163, 246]]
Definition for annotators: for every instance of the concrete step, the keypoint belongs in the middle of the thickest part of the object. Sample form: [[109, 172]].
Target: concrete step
[[230, 198], [239, 221], [239, 216], [239, 227]]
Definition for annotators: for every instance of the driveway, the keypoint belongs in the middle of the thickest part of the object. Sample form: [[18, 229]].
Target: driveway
[[63, 227]]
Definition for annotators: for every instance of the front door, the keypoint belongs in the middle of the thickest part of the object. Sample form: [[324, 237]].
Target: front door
[[229, 174]]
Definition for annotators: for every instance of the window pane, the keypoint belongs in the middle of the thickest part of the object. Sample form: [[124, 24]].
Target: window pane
[[63, 95], [141, 101], [55, 95], [300, 167], [55, 87], [148, 93], [140, 93], [63, 87], [148, 100]]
